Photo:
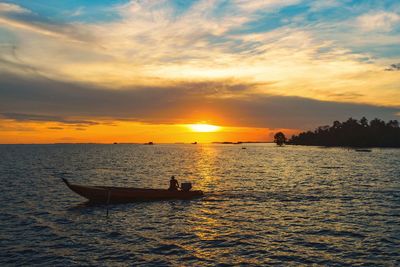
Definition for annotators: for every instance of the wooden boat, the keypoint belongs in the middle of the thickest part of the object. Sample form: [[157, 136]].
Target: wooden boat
[[110, 194], [363, 150]]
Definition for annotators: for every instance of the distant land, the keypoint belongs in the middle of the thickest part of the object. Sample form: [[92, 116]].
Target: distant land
[[352, 133]]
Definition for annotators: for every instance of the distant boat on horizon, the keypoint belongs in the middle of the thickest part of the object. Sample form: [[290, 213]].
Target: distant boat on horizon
[[194, 143], [149, 143], [363, 150]]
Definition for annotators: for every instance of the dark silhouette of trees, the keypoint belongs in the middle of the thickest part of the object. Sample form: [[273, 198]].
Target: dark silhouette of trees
[[279, 138], [352, 133]]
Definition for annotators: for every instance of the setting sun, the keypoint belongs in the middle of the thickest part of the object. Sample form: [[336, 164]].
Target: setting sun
[[204, 128]]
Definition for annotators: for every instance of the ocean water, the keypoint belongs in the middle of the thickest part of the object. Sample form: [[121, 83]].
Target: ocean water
[[264, 205]]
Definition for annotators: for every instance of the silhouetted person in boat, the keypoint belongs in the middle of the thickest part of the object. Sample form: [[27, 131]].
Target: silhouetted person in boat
[[173, 184]]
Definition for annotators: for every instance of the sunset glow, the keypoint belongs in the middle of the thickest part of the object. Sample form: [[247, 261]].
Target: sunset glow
[[204, 128], [163, 64]]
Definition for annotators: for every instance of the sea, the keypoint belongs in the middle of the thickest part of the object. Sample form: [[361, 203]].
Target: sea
[[264, 205]]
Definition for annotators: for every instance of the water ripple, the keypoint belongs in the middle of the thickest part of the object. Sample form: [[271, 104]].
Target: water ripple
[[264, 206]]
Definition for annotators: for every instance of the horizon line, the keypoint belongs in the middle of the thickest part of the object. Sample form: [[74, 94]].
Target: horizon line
[[141, 143]]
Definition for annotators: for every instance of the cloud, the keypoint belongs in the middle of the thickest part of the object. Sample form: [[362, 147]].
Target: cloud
[[15, 128], [347, 96], [18, 18], [263, 5], [324, 4], [47, 118], [59, 102], [12, 8], [393, 67], [378, 21], [75, 13], [153, 58]]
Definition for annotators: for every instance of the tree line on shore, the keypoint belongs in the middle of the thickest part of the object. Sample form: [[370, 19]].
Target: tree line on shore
[[350, 133]]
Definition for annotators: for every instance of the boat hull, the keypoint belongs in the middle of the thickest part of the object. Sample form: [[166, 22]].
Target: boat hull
[[108, 194]]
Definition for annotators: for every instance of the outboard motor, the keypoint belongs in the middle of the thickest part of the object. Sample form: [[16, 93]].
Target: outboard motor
[[186, 186]]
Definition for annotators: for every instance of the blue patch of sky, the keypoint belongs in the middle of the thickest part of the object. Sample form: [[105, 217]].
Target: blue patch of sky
[[299, 15], [222, 8], [396, 29], [331, 14], [372, 5], [381, 51], [262, 25], [69, 11], [182, 6], [302, 15]]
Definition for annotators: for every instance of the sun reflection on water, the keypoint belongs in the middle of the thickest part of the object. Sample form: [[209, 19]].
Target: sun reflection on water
[[205, 165]]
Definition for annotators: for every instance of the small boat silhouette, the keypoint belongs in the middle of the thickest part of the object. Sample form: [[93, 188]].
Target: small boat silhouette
[[363, 150], [111, 194]]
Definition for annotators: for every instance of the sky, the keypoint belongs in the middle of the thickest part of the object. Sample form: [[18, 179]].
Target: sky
[[138, 71]]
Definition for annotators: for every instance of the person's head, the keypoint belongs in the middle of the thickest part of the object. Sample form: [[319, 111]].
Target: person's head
[[172, 177]]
